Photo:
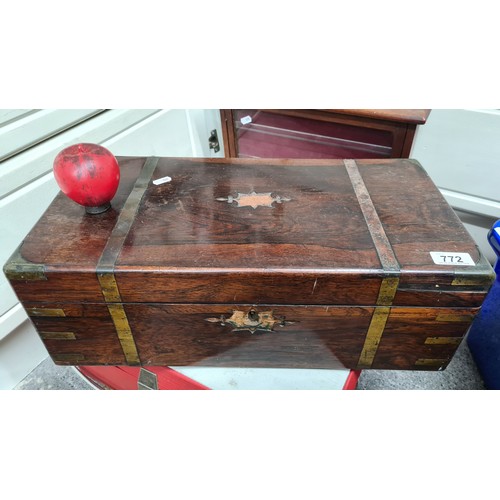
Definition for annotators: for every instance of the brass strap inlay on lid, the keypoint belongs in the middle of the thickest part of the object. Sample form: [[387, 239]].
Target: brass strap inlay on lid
[[45, 312], [388, 260], [382, 245], [106, 265], [126, 218]]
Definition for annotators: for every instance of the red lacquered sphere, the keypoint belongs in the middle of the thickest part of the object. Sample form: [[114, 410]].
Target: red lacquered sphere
[[88, 174]]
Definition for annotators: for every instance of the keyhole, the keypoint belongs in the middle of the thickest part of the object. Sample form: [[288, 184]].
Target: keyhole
[[253, 315]]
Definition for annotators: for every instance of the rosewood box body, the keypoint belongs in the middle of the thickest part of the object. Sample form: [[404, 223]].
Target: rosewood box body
[[255, 263]]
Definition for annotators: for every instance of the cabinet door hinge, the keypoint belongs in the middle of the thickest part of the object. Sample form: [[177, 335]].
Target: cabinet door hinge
[[213, 141]]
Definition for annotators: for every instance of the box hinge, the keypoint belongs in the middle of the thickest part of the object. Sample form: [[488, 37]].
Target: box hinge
[[147, 380]]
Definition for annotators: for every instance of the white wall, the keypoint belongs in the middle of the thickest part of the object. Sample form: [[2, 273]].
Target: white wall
[[460, 149], [29, 142]]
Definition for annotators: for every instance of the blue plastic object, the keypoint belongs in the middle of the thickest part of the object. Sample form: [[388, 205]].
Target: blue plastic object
[[484, 335]]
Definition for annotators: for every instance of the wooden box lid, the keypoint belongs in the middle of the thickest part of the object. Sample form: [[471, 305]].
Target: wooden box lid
[[257, 231]]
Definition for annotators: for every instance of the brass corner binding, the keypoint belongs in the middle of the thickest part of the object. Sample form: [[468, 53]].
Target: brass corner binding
[[18, 268], [480, 275]]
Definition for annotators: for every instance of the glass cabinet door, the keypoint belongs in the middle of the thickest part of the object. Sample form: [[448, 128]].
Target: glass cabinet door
[[270, 134]]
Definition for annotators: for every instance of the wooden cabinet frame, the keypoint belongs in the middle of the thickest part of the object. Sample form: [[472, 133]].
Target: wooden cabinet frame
[[402, 124]]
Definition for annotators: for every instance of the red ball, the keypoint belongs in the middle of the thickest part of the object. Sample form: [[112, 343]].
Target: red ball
[[88, 174]]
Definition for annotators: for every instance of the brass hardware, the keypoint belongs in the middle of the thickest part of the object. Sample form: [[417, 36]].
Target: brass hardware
[[57, 335], [388, 289], [18, 268], [68, 358], [107, 260], [373, 336], [459, 318], [484, 280], [106, 265], [443, 340], [431, 362], [252, 321], [254, 199], [45, 312], [124, 333], [374, 224], [388, 260], [387, 292], [213, 141], [147, 380], [253, 315], [109, 287], [479, 275]]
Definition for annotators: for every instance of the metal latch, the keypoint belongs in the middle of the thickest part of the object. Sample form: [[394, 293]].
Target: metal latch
[[213, 141], [147, 380]]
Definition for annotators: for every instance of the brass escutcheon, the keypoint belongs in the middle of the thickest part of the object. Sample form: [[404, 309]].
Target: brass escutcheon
[[251, 321]]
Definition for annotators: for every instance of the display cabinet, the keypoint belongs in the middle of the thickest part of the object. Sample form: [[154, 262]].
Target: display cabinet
[[320, 133]]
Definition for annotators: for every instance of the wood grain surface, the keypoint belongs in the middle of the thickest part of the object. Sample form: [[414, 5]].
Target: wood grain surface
[[196, 248], [313, 336]]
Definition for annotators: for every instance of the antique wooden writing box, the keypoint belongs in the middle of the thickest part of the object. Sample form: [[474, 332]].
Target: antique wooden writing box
[[261, 263]]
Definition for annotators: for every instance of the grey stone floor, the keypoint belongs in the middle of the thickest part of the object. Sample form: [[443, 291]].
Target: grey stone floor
[[461, 374], [48, 376]]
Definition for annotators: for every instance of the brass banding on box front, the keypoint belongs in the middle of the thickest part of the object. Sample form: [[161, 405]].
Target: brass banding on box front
[[373, 336], [124, 333], [109, 287], [68, 358], [387, 292], [431, 362], [443, 340], [45, 312], [455, 318], [57, 335]]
